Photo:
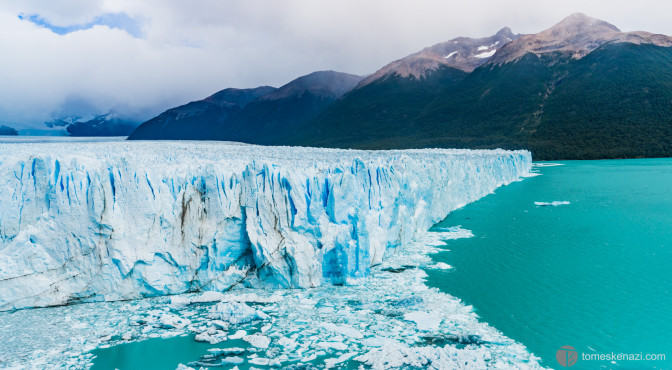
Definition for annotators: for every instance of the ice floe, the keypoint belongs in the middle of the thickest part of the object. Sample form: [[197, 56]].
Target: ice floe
[[554, 203], [546, 164], [258, 341], [236, 313], [441, 266]]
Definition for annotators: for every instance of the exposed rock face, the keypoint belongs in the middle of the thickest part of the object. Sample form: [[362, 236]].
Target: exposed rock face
[[198, 120], [104, 125], [576, 35], [463, 53]]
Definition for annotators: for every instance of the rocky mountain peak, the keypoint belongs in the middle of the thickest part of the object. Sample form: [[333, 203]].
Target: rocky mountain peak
[[505, 32], [463, 53], [579, 23], [576, 36], [238, 97], [326, 84]]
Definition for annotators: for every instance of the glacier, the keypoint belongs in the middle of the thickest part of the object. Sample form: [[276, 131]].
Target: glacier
[[90, 222]]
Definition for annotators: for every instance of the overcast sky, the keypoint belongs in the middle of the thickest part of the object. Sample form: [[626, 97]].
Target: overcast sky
[[141, 57]]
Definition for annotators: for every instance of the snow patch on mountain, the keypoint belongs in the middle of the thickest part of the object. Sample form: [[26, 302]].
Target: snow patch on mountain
[[487, 54]]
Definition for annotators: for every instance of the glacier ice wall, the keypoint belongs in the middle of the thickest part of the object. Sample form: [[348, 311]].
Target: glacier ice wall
[[82, 222]]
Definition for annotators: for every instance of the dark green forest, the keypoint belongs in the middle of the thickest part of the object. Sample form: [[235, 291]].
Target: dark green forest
[[614, 103]]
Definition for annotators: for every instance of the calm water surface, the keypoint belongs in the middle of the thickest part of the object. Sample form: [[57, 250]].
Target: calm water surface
[[155, 353], [595, 274]]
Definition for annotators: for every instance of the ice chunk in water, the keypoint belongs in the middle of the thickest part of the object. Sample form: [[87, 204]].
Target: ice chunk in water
[[552, 204], [236, 313], [257, 340]]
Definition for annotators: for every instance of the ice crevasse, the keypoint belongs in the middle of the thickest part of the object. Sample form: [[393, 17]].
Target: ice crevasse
[[83, 222]]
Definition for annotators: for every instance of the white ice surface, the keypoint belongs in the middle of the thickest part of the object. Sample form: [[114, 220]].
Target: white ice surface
[[90, 222]]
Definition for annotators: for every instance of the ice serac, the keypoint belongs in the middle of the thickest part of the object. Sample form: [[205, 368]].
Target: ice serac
[[83, 222]]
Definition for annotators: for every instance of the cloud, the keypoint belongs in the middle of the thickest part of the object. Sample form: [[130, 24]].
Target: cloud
[[142, 57]]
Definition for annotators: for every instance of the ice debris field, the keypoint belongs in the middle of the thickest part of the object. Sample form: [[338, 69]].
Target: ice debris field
[[392, 321], [94, 222]]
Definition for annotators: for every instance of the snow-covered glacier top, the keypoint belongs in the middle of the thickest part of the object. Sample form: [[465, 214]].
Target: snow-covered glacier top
[[86, 222]]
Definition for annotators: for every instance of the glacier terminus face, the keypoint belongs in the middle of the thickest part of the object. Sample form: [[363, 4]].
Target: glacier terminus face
[[86, 222]]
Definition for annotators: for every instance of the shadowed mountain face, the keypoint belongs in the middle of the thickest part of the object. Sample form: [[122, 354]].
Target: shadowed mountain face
[[8, 131], [198, 120], [282, 112], [103, 125], [109, 124], [257, 116]]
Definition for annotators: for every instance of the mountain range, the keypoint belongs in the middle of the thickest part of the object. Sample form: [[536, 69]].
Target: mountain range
[[581, 89], [109, 124], [261, 115]]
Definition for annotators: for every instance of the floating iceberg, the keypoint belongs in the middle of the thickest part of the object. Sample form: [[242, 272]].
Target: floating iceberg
[[87, 222], [258, 341], [441, 266], [547, 164], [554, 203], [236, 313]]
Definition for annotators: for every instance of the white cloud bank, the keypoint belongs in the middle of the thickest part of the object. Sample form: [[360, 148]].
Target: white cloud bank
[[189, 50]]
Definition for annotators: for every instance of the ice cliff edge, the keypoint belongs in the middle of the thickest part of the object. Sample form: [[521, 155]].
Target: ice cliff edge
[[84, 222]]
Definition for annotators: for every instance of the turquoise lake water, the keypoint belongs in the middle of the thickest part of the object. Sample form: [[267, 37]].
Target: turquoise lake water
[[156, 353], [595, 274]]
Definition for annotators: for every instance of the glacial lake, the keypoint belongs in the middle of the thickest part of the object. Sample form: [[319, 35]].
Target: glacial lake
[[594, 274]]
